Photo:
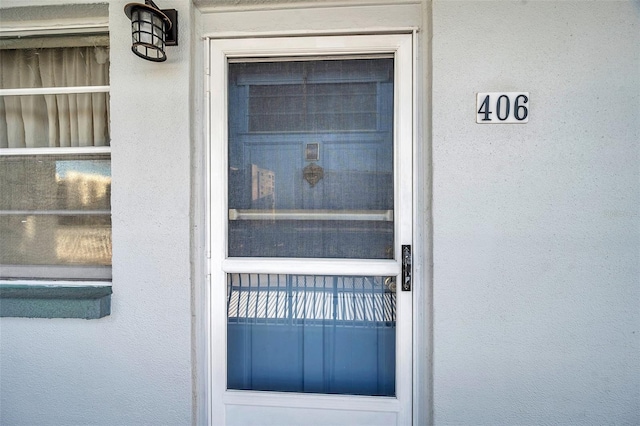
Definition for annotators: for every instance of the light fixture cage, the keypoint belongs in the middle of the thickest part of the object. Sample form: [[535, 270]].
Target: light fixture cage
[[151, 30]]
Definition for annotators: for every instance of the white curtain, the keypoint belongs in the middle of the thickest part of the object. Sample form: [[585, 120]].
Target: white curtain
[[36, 121]]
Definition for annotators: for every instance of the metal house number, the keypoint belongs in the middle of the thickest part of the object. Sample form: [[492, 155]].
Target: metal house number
[[502, 107]]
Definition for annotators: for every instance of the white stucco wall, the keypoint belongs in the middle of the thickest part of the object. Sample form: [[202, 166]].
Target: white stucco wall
[[536, 226], [134, 366]]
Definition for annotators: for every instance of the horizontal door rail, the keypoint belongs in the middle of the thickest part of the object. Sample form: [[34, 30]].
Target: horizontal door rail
[[311, 266], [354, 215]]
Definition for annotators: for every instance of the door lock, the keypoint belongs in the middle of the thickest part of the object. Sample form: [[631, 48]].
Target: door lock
[[406, 267]]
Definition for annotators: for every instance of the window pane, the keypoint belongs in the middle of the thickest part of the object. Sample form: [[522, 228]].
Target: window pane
[[320, 334], [36, 121], [55, 210], [311, 159], [55, 240], [331, 239], [55, 182], [311, 107]]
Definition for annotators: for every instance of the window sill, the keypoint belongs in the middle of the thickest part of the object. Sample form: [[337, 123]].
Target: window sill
[[54, 301]]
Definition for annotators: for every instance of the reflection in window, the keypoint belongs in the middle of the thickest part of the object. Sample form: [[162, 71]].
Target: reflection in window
[[55, 211]]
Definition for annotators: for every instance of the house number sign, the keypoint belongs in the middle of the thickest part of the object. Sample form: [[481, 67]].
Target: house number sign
[[502, 107]]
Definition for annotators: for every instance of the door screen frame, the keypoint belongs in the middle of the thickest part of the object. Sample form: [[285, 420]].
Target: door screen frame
[[220, 51]]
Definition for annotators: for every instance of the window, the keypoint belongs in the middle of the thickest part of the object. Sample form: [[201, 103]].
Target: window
[[311, 158], [55, 167]]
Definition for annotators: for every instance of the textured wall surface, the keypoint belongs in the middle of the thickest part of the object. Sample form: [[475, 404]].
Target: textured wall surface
[[536, 290], [134, 366], [536, 226]]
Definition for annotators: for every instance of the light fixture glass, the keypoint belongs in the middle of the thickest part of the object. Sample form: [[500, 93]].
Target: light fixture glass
[[150, 27]]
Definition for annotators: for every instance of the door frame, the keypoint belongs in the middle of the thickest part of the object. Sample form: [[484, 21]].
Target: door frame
[[217, 221]]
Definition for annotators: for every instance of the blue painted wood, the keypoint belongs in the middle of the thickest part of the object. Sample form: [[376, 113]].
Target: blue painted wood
[[324, 334], [320, 358]]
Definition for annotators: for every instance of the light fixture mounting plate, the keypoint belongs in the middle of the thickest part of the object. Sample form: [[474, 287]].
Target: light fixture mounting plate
[[171, 36]]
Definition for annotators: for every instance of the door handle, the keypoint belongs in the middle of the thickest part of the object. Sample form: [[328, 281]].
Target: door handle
[[406, 267], [390, 284]]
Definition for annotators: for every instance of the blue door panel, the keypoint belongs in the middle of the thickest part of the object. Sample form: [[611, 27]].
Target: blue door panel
[[301, 358]]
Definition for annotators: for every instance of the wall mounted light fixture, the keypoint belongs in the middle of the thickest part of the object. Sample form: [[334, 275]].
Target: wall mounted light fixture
[[152, 29]]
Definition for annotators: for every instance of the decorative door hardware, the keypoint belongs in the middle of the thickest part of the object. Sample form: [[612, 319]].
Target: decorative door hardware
[[312, 174]]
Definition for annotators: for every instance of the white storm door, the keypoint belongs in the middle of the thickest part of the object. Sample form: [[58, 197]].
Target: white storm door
[[311, 144]]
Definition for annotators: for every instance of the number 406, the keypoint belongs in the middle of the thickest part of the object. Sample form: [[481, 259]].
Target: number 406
[[502, 107]]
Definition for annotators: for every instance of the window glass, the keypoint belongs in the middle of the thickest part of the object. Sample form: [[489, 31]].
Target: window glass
[[311, 159], [54, 120], [320, 334], [55, 208], [311, 175], [312, 107]]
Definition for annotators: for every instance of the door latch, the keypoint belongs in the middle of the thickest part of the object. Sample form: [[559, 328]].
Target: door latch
[[406, 267]]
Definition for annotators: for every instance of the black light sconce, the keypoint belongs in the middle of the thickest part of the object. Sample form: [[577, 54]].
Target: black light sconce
[[152, 29]]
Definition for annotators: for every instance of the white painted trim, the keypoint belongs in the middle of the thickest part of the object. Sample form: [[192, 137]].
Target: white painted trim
[[53, 212], [419, 280], [216, 119], [51, 273], [56, 150], [404, 142], [48, 29], [200, 282], [307, 33], [50, 283], [313, 46], [204, 8], [312, 400], [312, 266], [26, 91], [423, 240]]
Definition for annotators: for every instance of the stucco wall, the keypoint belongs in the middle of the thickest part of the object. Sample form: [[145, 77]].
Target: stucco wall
[[134, 366], [536, 226], [536, 229]]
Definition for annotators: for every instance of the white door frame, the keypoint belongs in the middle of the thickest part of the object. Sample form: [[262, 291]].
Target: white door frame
[[402, 46]]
